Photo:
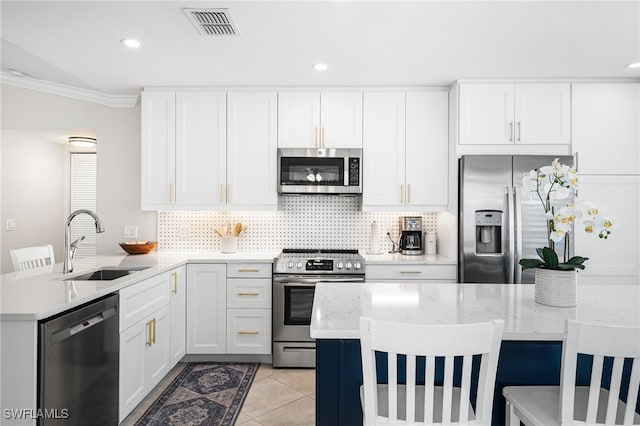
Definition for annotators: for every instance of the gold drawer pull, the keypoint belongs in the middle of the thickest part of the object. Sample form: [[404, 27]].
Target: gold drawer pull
[[248, 294], [410, 272], [153, 327], [248, 270], [149, 332], [248, 332]]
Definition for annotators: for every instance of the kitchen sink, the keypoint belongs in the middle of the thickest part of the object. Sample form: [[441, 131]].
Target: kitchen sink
[[106, 274]]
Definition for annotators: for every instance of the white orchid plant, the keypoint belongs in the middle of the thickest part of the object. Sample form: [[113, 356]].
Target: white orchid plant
[[556, 187]]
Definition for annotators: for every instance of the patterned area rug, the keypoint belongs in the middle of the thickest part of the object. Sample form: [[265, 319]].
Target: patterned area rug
[[204, 393]]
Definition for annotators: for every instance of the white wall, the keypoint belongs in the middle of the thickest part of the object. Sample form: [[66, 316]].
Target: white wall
[[33, 180], [118, 134]]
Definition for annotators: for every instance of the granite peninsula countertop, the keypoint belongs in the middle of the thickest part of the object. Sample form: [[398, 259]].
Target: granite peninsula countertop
[[338, 307], [35, 295]]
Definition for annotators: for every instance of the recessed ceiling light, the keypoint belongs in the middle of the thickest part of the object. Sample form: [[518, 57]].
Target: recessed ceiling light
[[130, 42], [320, 67], [634, 65], [82, 141]]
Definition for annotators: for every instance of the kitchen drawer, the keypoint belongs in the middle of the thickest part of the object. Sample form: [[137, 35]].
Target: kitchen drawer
[[249, 293], [141, 299], [248, 331], [249, 270], [411, 272]]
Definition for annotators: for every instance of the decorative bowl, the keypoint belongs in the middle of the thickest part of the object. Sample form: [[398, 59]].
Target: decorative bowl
[[138, 247]]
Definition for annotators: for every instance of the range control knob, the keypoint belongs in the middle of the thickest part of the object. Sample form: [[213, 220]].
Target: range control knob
[[339, 265], [290, 265], [348, 265], [299, 265], [357, 265]]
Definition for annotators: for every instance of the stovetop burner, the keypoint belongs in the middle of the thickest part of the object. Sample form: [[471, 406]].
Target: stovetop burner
[[319, 261]]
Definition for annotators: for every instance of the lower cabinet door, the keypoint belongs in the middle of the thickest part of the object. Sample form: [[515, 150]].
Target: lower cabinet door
[[206, 308], [158, 356], [133, 343], [249, 331], [178, 314]]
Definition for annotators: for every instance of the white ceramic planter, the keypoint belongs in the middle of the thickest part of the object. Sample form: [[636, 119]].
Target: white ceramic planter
[[229, 244], [556, 288]]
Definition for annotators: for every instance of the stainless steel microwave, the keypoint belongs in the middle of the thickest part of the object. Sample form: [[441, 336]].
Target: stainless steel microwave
[[320, 171]]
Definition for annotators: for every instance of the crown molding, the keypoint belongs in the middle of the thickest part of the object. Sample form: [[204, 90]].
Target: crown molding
[[116, 101]]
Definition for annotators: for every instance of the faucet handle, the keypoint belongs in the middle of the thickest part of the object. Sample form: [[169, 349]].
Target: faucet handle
[[76, 243]]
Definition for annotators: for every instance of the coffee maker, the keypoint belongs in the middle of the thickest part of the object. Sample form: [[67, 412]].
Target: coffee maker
[[411, 235]]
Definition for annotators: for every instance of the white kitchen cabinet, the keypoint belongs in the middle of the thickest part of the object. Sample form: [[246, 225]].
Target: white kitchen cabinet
[[158, 149], [201, 165], [616, 259], [442, 273], [252, 144], [505, 113], [606, 128], [145, 339], [320, 120], [196, 156], [178, 314], [206, 308], [405, 150], [249, 308]]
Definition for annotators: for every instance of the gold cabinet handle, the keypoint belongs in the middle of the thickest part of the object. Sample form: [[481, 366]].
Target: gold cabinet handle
[[315, 136], [175, 282], [249, 270], [171, 193], [248, 294], [401, 193], [410, 272], [149, 332], [228, 193], [408, 193], [153, 334], [221, 193], [248, 332], [324, 132]]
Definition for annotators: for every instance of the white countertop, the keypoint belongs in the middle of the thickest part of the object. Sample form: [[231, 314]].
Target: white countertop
[[338, 307], [34, 295], [403, 259]]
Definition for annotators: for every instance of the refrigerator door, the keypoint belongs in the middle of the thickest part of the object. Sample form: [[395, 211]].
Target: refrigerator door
[[530, 222], [483, 224]]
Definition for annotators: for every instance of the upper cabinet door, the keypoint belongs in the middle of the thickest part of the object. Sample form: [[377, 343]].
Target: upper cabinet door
[[384, 149], [341, 120], [427, 142], [487, 114], [606, 128], [298, 119], [158, 150], [252, 149], [201, 148], [542, 113]]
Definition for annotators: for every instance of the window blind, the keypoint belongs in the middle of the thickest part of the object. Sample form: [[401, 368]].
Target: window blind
[[83, 196]]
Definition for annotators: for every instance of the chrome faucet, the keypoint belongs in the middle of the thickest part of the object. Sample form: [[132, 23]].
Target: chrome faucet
[[70, 248]]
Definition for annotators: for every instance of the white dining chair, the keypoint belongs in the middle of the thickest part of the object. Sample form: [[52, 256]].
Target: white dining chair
[[32, 257], [569, 404], [409, 403]]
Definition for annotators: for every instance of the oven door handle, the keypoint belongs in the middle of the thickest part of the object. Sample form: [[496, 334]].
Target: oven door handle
[[313, 281]]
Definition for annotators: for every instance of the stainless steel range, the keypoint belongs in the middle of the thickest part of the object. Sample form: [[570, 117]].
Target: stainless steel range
[[295, 274]]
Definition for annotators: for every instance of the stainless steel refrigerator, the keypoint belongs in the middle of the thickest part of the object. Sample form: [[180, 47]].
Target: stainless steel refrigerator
[[497, 224]]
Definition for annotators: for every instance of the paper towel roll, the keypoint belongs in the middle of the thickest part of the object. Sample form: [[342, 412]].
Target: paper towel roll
[[374, 239]]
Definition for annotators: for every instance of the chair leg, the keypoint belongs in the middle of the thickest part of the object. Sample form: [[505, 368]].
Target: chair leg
[[510, 418]]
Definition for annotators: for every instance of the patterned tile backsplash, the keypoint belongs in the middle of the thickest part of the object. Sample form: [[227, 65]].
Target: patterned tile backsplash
[[301, 222]]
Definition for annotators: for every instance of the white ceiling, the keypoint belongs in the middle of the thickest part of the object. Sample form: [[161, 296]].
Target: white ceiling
[[366, 43]]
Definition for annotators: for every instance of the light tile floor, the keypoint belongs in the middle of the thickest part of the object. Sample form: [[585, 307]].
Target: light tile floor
[[277, 397]]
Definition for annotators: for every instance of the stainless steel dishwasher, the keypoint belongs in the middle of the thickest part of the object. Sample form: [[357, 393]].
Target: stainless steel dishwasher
[[78, 364]]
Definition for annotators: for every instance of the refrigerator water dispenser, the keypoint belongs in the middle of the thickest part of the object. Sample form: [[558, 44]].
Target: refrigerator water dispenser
[[488, 232]]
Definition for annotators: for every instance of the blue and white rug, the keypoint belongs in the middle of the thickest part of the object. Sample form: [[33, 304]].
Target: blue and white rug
[[204, 393]]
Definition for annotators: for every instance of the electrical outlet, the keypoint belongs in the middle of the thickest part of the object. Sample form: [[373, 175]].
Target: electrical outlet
[[130, 231], [184, 231], [11, 225]]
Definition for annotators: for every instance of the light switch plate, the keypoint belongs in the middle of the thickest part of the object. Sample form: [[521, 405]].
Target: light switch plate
[[130, 231], [10, 225]]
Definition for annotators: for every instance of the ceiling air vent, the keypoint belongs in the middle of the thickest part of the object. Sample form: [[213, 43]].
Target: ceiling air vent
[[212, 22]]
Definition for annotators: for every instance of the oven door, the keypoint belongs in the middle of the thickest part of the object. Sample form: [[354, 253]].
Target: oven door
[[293, 302]]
